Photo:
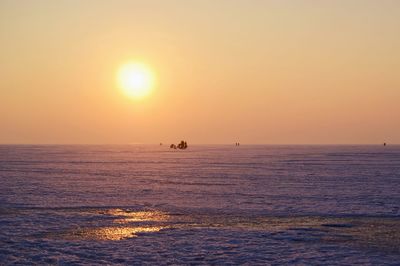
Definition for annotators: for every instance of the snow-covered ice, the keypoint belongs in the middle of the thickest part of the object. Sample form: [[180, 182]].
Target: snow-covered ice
[[217, 205]]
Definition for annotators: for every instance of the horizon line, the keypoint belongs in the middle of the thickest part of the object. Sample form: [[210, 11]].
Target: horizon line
[[201, 144]]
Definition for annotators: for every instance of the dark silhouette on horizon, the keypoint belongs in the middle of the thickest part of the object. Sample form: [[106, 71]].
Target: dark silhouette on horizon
[[182, 145]]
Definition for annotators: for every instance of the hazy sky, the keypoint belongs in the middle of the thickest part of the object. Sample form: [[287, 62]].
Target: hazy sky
[[274, 72]]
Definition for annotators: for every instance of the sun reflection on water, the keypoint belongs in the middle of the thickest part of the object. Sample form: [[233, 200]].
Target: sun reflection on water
[[119, 224], [135, 222], [113, 233], [138, 216]]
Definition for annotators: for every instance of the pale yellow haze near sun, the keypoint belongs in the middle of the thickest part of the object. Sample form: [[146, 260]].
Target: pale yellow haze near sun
[[206, 71], [136, 80]]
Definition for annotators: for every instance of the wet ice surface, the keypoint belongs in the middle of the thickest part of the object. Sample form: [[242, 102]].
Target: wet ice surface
[[204, 205]]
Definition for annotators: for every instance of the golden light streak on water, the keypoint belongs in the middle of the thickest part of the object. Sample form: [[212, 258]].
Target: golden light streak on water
[[138, 216], [112, 233]]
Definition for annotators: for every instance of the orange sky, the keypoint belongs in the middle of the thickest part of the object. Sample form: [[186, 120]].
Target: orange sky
[[273, 72]]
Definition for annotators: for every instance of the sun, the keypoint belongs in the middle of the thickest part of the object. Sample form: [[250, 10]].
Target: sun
[[136, 79]]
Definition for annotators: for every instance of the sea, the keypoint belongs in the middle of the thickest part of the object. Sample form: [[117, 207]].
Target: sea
[[206, 205]]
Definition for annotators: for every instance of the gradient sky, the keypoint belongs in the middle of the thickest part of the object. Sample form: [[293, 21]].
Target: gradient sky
[[273, 72]]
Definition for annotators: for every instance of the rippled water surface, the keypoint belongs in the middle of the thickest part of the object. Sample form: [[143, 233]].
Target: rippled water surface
[[204, 205]]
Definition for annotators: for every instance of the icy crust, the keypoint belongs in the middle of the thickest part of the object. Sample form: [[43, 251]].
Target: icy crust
[[205, 205], [127, 236], [360, 180]]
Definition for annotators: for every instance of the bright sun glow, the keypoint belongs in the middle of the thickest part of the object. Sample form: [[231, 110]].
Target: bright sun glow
[[136, 80]]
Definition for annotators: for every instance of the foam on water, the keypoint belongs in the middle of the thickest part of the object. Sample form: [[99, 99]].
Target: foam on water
[[204, 205]]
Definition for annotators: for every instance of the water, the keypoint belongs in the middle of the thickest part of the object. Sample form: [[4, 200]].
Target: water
[[206, 205]]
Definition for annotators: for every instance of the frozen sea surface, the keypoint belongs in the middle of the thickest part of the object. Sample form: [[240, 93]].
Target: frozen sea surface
[[206, 205]]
